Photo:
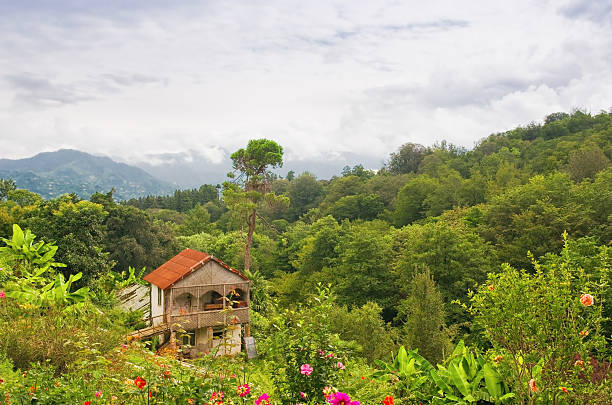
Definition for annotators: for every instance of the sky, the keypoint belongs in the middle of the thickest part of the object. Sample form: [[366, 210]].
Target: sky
[[151, 81]]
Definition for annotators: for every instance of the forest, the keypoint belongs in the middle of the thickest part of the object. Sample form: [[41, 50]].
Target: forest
[[449, 275]]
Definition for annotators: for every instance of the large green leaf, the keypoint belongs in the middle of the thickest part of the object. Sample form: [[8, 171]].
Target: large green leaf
[[493, 381], [457, 376]]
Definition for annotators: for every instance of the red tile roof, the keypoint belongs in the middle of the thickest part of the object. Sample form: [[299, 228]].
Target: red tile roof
[[181, 265]]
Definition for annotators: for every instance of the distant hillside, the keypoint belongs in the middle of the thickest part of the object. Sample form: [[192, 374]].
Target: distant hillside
[[52, 174]]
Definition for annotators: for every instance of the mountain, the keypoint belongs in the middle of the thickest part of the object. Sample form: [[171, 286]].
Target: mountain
[[52, 174]]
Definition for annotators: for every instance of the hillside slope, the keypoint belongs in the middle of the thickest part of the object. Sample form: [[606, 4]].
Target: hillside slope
[[51, 174]]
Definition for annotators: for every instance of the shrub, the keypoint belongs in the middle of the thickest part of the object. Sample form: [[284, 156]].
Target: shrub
[[538, 323], [308, 355]]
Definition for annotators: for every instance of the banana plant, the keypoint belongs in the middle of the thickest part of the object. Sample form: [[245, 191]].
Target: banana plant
[[466, 378], [405, 370], [56, 293], [23, 252], [463, 378]]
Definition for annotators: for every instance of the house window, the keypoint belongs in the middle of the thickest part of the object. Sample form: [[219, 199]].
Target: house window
[[159, 296], [189, 339], [218, 333]]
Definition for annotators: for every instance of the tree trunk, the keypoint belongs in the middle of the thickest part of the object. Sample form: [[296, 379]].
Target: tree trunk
[[251, 221]]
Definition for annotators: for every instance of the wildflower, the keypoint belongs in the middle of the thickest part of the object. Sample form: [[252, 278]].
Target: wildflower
[[306, 369], [217, 395], [190, 401], [498, 359], [362, 377], [140, 383], [263, 399], [302, 395], [340, 365], [2, 294], [388, 400], [587, 300], [491, 287], [579, 363], [87, 403], [340, 398], [167, 374], [532, 385], [243, 390], [563, 389], [150, 395], [98, 394], [321, 352], [584, 333]]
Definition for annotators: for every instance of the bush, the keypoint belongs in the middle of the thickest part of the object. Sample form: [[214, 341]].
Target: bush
[[539, 323], [53, 335], [308, 355]]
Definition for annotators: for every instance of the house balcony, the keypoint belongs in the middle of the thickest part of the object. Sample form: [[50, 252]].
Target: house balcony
[[211, 305], [210, 318]]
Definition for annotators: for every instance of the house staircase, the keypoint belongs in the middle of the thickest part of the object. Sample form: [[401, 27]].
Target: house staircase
[[150, 331]]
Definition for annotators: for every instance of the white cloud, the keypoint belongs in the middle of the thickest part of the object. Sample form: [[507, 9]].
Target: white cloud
[[319, 77]]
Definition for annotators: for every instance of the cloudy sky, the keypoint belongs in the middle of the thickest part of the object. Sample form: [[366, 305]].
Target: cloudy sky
[[139, 80]]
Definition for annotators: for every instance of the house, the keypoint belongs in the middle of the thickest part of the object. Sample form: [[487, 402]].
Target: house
[[199, 302]]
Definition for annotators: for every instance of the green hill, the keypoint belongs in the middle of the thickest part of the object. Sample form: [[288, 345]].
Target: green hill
[[52, 174]]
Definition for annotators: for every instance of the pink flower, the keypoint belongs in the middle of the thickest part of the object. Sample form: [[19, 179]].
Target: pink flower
[[302, 395], [306, 369], [98, 394], [243, 390], [340, 365], [340, 398], [2, 294], [587, 300], [263, 399]]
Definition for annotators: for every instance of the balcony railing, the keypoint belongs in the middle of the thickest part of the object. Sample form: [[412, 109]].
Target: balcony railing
[[199, 319]]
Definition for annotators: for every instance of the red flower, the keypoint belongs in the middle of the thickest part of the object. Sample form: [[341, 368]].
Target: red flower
[[87, 403], [587, 300], [563, 389], [140, 383], [388, 400], [532, 385], [491, 287]]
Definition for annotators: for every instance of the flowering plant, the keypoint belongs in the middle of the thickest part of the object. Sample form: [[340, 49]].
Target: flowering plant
[[541, 321], [310, 351]]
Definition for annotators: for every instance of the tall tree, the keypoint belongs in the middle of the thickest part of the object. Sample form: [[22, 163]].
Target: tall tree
[[6, 186], [423, 317], [252, 186]]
